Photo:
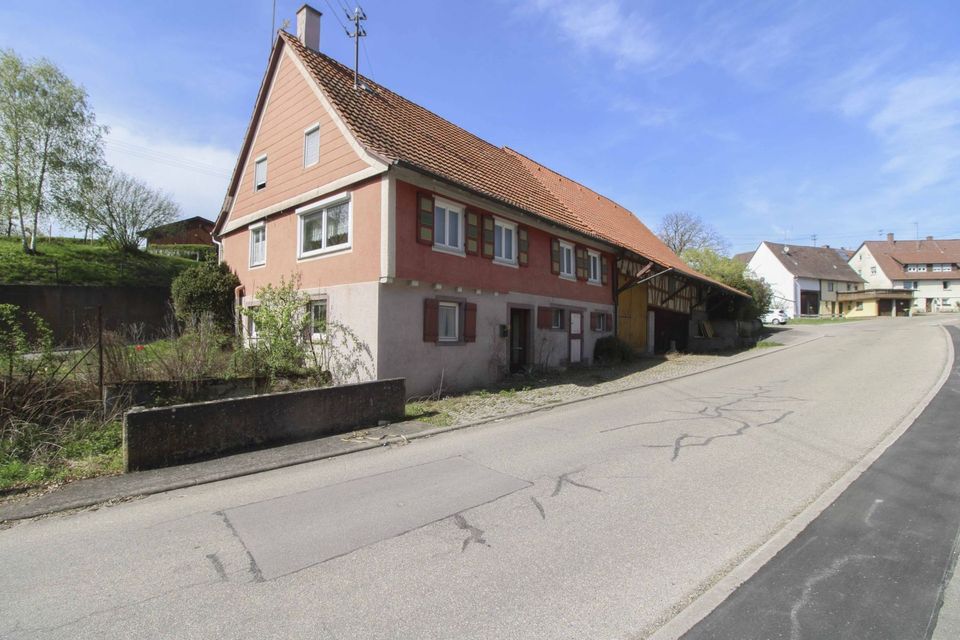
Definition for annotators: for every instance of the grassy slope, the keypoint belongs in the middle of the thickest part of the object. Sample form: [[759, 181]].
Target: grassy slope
[[70, 261]]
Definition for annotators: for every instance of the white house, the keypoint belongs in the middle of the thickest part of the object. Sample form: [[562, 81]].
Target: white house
[[804, 280]]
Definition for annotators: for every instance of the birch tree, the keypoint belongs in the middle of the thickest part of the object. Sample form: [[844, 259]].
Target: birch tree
[[49, 141]]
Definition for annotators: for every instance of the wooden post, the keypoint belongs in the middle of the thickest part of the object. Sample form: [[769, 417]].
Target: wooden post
[[100, 351]]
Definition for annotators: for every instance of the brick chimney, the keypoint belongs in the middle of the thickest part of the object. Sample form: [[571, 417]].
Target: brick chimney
[[308, 27], [889, 237]]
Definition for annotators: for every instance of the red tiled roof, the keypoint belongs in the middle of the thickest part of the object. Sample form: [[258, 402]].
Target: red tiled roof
[[893, 255], [403, 132]]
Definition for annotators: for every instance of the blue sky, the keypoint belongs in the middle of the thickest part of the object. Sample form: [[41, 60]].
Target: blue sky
[[773, 121]]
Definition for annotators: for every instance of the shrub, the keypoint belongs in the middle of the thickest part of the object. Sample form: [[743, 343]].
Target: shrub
[[612, 350], [206, 288]]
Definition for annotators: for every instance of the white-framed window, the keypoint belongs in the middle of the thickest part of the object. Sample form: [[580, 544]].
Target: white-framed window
[[311, 146], [258, 244], [251, 329], [942, 267], [593, 266], [447, 225], [916, 268], [504, 241], [873, 271], [830, 286], [566, 260], [448, 325], [556, 319], [602, 322], [260, 173], [317, 318], [323, 227]]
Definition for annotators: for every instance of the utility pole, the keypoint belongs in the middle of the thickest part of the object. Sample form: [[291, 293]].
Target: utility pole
[[358, 32], [814, 239]]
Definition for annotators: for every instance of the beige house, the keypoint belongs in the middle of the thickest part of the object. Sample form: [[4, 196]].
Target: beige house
[[924, 273]]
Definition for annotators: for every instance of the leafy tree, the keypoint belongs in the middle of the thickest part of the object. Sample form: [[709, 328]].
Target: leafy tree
[[119, 206], [49, 140], [681, 231], [281, 323], [735, 274], [206, 288]]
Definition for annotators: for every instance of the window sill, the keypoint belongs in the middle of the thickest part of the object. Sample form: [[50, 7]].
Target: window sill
[[595, 283], [321, 253], [506, 263], [571, 277], [449, 250], [260, 265]]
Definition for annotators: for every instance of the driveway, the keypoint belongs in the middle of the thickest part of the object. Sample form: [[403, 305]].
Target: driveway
[[599, 519]]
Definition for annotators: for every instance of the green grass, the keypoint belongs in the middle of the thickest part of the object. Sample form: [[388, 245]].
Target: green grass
[[91, 450], [766, 344], [428, 411], [822, 320], [72, 261]]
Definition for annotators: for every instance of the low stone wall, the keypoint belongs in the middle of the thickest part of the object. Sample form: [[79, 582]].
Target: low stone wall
[[166, 436]]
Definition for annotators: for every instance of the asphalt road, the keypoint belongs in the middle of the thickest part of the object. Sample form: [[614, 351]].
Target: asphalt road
[[597, 520]]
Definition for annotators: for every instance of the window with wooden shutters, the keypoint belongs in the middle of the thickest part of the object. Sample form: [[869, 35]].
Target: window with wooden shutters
[[488, 236], [431, 316], [555, 256], [604, 270], [581, 255], [523, 247], [593, 267], [424, 219], [472, 224], [469, 322], [594, 321]]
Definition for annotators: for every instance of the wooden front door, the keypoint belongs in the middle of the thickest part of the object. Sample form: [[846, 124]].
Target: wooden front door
[[576, 337], [519, 339]]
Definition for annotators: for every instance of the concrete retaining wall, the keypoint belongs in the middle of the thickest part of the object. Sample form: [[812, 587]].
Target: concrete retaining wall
[[166, 436], [153, 393]]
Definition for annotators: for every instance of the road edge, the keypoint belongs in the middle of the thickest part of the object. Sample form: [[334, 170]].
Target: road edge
[[704, 604]]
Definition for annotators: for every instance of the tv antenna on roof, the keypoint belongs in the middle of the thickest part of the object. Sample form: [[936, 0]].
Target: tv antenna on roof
[[357, 17]]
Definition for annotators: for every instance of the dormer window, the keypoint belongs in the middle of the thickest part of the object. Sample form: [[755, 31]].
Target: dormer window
[[260, 173]]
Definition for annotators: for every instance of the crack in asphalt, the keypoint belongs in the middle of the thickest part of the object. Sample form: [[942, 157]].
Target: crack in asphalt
[[565, 478], [476, 534], [217, 566], [253, 567], [536, 503], [835, 567], [707, 440]]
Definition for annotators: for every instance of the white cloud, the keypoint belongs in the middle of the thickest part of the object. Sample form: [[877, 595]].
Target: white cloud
[[604, 27], [195, 174]]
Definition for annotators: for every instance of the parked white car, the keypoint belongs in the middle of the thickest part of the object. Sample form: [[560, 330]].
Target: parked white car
[[777, 316]]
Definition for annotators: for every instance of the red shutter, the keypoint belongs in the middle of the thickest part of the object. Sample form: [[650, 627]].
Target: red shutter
[[581, 258], [544, 318], [487, 236], [425, 218], [594, 320], [523, 247], [555, 256], [604, 270], [469, 322], [472, 245], [431, 319]]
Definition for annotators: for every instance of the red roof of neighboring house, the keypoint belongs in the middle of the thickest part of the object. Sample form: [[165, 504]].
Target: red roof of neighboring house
[[403, 132], [893, 255]]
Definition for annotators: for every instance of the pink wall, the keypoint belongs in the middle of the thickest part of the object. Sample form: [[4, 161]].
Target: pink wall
[[291, 108], [416, 261], [361, 263]]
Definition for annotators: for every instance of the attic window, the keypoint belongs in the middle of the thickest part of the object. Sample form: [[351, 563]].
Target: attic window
[[260, 173], [311, 146]]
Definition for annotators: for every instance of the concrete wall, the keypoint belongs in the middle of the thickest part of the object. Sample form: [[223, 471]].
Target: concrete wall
[[463, 365], [71, 311], [154, 438]]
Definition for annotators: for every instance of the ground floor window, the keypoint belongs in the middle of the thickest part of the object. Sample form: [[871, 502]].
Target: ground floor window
[[556, 321], [317, 323], [449, 321]]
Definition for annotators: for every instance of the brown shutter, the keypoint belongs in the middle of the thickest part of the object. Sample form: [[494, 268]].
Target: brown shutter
[[594, 320], [554, 256], [604, 270], [472, 244], [581, 258], [487, 236], [609, 322], [424, 218], [469, 322], [523, 247], [544, 318], [431, 320]]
